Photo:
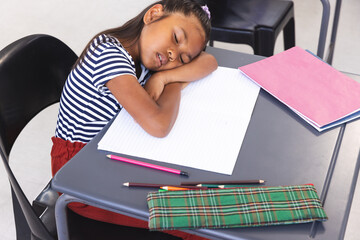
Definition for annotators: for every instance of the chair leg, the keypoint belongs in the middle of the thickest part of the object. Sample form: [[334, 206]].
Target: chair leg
[[264, 42], [289, 34], [22, 228], [211, 43]]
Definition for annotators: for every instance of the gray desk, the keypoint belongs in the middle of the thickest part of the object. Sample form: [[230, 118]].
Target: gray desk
[[278, 147]]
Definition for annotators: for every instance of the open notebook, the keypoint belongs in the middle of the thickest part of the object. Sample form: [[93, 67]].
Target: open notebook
[[212, 121], [321, 95]]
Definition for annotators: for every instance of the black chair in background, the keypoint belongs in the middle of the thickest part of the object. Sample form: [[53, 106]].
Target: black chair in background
[[33, 71], [253, 22]]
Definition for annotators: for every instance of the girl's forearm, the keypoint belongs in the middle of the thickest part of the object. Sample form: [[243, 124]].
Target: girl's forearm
[[161, 123], [155, 117], [200, 67]]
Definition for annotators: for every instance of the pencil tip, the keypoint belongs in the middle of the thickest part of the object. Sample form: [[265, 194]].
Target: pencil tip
[[221, 186], [126, 184], [109, 156], [199, 185], [261, 181]]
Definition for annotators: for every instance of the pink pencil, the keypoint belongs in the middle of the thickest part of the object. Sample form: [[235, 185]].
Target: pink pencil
[[149, 165]]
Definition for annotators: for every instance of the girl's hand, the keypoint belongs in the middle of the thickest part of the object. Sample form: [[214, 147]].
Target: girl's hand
[[184, 85], [155, 85], [198, 68]]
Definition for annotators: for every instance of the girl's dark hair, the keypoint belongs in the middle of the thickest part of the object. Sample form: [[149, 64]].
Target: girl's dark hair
[[131, 30]]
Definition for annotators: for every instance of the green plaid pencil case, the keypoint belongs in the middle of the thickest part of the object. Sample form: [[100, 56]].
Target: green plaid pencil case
[[234, 207]]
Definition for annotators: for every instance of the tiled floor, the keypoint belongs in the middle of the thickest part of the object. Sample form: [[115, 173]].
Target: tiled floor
[[75, 22]]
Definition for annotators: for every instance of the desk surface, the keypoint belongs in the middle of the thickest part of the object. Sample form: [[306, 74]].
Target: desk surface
[[278, 147]]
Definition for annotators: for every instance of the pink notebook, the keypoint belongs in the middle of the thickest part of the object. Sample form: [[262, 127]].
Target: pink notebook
[[317, 92]]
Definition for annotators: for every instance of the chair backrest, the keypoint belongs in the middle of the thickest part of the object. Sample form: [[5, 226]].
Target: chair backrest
[[33, 71]]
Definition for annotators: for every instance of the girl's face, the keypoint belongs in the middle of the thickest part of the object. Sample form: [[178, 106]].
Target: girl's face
[[170, 42]]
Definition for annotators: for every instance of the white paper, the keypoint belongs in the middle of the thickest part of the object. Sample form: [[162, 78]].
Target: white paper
[[212, 121]]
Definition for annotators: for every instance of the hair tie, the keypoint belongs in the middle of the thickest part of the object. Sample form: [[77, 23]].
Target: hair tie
[[206, 10]]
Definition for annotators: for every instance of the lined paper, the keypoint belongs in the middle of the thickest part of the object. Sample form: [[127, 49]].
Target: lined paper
[[213, 117]]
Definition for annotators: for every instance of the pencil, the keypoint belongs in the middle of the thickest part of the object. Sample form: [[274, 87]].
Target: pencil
[[153, 185], [235, 186], [149, 165], [231, 182], [172, 188], [206, 185]]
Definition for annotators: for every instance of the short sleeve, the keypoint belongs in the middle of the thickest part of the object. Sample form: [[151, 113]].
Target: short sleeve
[[110, 63]]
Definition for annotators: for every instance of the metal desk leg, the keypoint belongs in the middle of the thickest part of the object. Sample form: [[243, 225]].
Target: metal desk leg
[[61, 215], [324, 27], [334, 32]]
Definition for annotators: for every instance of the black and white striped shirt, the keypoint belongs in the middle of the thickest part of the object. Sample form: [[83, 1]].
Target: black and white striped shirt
[[86, 104]]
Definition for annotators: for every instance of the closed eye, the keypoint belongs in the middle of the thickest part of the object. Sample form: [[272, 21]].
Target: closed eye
[[176, 39], [177, 42]]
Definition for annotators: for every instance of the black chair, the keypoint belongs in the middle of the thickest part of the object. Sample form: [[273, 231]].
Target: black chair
[[253, 22], [33, 71]]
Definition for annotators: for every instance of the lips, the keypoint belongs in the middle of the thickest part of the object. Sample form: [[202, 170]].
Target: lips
[[161, 59]]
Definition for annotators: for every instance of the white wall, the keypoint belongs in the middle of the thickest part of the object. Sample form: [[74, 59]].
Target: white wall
[[76, 21], [73, 21]]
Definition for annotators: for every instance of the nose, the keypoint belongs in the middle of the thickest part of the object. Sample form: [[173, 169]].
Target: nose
[[172, 55]]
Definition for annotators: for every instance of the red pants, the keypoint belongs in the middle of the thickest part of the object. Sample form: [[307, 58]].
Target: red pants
[[61, 152]]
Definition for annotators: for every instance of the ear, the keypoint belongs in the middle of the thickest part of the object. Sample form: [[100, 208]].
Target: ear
[[154, 13]]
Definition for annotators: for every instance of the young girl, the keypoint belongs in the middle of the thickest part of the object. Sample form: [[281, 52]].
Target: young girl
[[141, 66]]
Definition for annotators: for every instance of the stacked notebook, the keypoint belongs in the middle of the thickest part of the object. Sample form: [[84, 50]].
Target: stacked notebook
[[321, 95]]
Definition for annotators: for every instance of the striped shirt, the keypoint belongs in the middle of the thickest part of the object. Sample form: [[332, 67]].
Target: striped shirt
[[86, 104]]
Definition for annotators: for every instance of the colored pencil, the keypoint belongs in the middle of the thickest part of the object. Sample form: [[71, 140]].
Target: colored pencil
[[149, 165], [172, 188], [235, 186], [231, 182], [223, 186], [153, 185]]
